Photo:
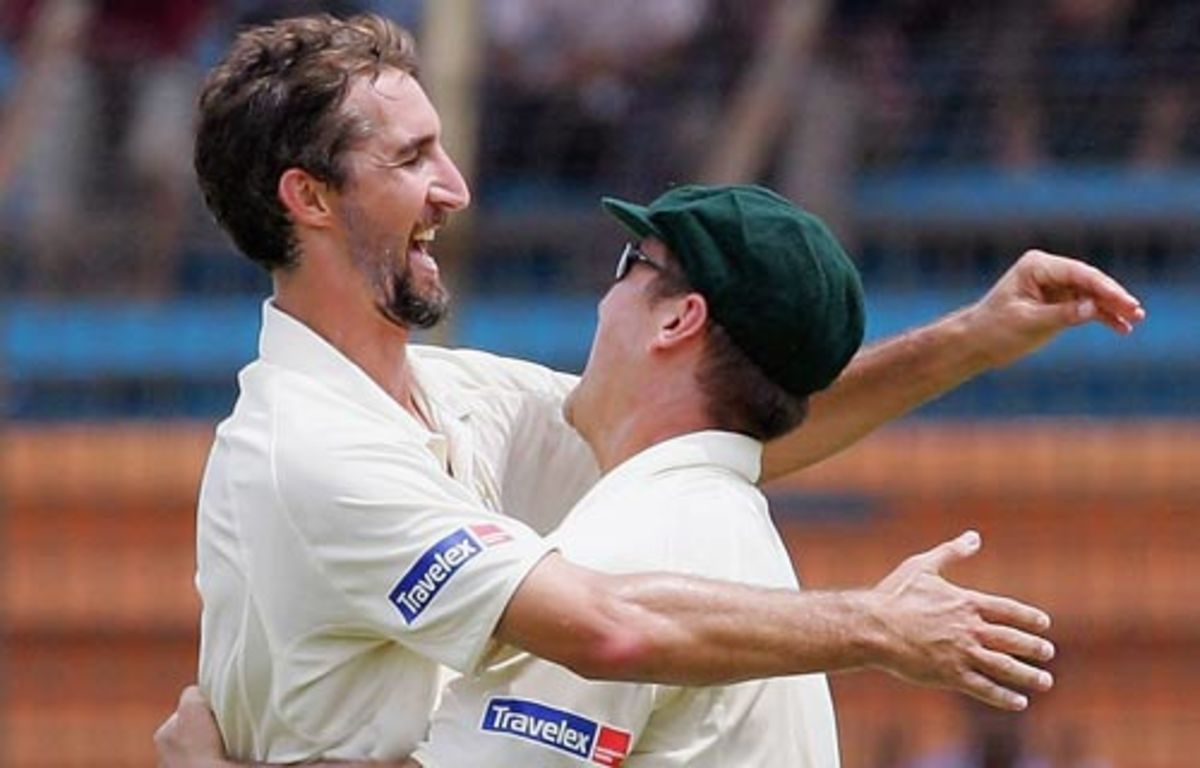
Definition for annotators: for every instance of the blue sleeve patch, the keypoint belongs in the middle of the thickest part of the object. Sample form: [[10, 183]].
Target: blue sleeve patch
[[557, 729], [417, 589]]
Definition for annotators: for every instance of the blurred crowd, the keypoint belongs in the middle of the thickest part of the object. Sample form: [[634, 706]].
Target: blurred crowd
[[1025, 82], [578, 98]]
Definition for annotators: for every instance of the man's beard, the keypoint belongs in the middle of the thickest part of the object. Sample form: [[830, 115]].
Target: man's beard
[[400, 301], [396, 297]]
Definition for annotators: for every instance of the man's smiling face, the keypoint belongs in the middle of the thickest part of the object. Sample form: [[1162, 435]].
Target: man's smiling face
[[401, 185]]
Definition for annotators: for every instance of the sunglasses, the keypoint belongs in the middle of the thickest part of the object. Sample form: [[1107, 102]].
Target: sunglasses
[[633, 255]]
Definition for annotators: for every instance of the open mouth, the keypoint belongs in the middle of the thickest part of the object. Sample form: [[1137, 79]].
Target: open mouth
[[419, 256]]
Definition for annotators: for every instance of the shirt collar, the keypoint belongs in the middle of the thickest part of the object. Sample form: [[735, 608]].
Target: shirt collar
[[289, 343], [735, 452]]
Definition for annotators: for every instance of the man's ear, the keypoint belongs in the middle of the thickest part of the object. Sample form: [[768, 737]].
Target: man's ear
[[305, 198], [680, 320]]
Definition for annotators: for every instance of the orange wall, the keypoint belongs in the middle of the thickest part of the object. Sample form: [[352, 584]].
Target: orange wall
[[1098, 523]]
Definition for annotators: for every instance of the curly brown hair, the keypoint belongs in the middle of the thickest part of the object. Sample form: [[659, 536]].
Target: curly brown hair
[[274, 103]]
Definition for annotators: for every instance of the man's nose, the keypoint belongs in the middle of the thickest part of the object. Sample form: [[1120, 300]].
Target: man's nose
[[449, 188]]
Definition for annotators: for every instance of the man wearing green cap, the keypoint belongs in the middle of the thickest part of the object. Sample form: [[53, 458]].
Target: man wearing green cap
[[729, 310]]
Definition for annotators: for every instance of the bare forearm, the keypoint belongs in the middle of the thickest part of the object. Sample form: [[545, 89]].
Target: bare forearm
[[882, 382], [676, 629], [669, 628], [701, 632], [1040, 296]]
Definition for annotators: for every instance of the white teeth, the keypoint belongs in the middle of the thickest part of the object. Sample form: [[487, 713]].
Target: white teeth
[[426, 235]]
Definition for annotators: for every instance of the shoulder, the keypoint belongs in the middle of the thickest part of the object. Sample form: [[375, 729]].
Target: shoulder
[[729, 533], [324, 448], [669, 520], [714, 495], [309, 417], [699, 521]]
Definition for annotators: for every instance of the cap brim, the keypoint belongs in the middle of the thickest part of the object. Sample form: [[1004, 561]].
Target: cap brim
[[635, 218]]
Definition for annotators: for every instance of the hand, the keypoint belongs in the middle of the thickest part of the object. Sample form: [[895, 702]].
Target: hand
[[942, 635], [1043, 294], [189, 738]]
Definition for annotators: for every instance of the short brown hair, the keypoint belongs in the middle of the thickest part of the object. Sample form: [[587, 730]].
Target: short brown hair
[[274, 103], [738, 395]]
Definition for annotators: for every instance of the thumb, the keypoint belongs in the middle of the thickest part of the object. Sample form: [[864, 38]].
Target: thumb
[[948, 552], [1084, 310], [1069, 313], [192, 698]]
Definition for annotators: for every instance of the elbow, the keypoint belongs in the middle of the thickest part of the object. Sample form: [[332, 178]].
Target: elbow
[[614, 653], [601, 626], [616, 641]]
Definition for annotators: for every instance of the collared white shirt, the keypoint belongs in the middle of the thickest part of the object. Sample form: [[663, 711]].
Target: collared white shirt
[[687, 505], [345, 550]]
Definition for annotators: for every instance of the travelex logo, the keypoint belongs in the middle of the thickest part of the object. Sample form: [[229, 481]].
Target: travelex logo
[[417, 589], [558, 729]]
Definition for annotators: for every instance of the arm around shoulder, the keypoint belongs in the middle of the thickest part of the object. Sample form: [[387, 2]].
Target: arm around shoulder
[[665, 628], [689, 631]]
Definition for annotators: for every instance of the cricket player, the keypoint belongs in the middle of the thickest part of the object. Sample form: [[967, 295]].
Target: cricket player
[[360, 518], [729, 310]]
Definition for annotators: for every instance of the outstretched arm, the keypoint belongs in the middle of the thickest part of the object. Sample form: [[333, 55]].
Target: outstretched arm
[[674, 629], [1037, 298]]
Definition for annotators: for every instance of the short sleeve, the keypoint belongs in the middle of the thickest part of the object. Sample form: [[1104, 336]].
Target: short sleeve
[[526, 711], [393, 546]]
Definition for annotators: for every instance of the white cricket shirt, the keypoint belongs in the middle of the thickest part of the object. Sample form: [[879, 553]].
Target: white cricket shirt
[[687, 505], [345, 550]]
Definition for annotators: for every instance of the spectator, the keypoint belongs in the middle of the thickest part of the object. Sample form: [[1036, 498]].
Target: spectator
[[572, 85], [108, 161], [1094, 81]]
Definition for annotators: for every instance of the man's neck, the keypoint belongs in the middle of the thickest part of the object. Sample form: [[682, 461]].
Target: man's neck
[[620, 445], [357, 330], [665, 411]]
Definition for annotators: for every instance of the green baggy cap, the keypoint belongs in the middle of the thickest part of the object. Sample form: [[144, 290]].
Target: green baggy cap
[[773, 275]]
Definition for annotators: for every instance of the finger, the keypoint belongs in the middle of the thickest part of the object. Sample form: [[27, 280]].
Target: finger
[[1122, 323], [1117, 323], [1008, 671], [1123, 304], [1014, 613], [1107, 292], [959, 548], [1059, 272], [195, 716], [1014, 642], [1074, 312], [191, 695], [982, 688], [1096, 295], [1078, 312], [163, 735], [1085, 307]]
